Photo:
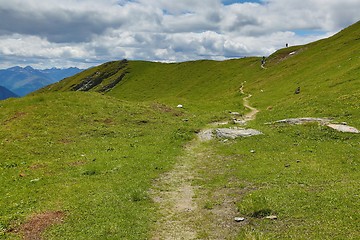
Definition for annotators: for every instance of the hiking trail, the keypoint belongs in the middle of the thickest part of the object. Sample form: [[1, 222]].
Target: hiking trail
[[253, 111], [181, 201]]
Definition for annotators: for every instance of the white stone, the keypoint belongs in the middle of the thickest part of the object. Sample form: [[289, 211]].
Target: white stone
[[343, 128], [239, 219], [235, 113]]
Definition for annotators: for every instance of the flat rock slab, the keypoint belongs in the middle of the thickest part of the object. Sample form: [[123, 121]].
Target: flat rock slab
[[323, 121], [343, 128], [205, 135], [233, 133], [304, 120]]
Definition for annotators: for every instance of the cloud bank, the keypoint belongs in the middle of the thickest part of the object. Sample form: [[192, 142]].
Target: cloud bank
[[88, 32]]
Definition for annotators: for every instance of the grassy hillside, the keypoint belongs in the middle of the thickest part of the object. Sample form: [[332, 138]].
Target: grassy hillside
[[89, 156], [209, 88], [327, 72], [94, 155]]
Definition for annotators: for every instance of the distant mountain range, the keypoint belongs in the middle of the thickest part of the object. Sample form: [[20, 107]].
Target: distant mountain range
[[22, 81], [6, 93]]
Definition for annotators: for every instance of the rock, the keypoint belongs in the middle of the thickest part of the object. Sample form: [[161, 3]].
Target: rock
[[235, 113], [239, 219], [233, 133], [297, 91], [205, 135], [304, 120], [272, 217], [343, 128], [252, 151], [179, 106], [240, 122]]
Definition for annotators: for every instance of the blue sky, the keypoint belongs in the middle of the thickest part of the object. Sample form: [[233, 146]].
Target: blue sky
[[84, 33]]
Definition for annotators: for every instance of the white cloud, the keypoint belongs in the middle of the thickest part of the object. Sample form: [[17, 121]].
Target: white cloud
[[87, 32]]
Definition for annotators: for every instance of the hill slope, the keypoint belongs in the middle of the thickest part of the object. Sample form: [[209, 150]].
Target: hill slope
[[326, 72], [92, 163], [94, 146]]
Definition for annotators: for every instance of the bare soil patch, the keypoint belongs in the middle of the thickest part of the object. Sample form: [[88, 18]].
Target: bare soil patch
[[37, 224], [17, 115]]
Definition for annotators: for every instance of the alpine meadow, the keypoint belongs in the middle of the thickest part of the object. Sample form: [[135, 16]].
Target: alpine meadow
[[136, 150]]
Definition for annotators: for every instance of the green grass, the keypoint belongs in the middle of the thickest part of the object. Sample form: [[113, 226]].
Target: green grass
[[95, 156], [208, 89], [305, 175], [91, 156], [327, 72]]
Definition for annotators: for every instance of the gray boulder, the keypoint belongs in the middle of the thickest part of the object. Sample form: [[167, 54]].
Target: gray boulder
[[233, 133]]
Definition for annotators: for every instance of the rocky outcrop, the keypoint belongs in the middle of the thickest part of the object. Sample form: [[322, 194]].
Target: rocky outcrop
[[233, 133], [97, 78], [304, 120], [343, 127]]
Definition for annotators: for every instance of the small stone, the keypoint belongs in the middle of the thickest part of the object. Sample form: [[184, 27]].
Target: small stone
[[239, 219], [240, 122], [287, 165], [180, 106], [297, 161], [272, 217], [252, 151]]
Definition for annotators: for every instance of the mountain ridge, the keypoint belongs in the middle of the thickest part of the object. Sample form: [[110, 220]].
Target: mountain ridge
[[6, 93], [24, 80]]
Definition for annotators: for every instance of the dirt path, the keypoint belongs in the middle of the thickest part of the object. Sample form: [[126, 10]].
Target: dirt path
[[253, 111], [174, 193], [181, 202]]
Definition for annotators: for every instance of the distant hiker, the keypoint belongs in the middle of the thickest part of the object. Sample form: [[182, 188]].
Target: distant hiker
[[287, 45], [297, 91], [263, 61]]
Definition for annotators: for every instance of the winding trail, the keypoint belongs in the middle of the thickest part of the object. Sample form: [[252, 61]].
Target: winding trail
[[179, 199], [253, 111]]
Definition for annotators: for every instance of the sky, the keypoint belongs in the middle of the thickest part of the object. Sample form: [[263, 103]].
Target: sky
[[84, 33]]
